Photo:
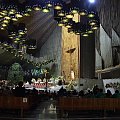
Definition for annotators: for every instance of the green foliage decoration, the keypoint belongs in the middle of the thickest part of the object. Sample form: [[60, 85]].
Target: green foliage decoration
[[15, 73]]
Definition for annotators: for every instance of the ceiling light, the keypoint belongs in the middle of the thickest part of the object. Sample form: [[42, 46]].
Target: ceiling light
[[74, 10], [2, 28], [1, 16], [28, 9], [58, 6], [91, 14], [37, 8], [18, 15], [27, 14], [14, 19], [32, 47], [6, 21], [4, 12], [45, 9], [12, 11], [60, 23], [49, 4], [95, 27], [89, 31], [17, 39], [69, 15], [68, 25], [61, 13], [85, 34], [4, 25], [13, 33], [7, 17], [65, 20], [91, 1], [83, 12], [92, 22], [11, 37]]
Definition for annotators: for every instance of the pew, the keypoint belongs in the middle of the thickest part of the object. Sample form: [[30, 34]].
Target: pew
[[12, 102], [76, 103]]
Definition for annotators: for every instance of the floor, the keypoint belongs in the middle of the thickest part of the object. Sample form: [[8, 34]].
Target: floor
[[46, 110]]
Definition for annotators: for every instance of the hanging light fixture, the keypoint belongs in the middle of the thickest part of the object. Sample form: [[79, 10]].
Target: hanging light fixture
[[37, 7], [85, 34], [45, 9], [61, 13], [68, 25], [69, 15], [95, 27], [83, 12], [49, 4], [89, 31], [28, 8], [14, 18], [65, 19], [57, 6], [6, 21], [93, 22], [19, 15], [91, 14], [64, 11], [74, 10], [7, 17], [60, 23]]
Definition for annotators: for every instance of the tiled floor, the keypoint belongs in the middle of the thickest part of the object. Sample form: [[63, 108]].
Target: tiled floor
[[47, 111]]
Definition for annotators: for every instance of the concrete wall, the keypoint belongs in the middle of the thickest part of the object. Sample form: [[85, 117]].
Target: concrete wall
[[108, 37], [52, 49], [87, 56], [89, 83], [98, 61], [106, 48]]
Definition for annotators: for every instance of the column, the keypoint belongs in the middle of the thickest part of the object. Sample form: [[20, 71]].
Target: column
[[87, 56]]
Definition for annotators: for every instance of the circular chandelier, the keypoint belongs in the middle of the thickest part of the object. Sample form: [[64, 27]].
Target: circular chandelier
[[64, 11]]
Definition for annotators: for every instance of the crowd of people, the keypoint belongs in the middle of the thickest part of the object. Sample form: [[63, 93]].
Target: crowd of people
[[96, 92]]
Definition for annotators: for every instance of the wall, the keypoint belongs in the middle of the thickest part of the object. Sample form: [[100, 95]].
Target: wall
[[106, 48], [108, 37], [87, 56], [52, 49], [89, 83], [70, 41]]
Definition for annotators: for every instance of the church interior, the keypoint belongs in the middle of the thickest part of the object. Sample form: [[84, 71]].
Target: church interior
[[59, 59]]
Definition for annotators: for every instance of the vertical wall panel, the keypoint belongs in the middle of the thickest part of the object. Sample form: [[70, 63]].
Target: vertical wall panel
[[52, 49], [70, 41], [106, 48]]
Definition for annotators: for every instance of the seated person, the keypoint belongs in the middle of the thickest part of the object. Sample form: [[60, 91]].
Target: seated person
[[108, 94], [100, 94], [20, 90], [116, 94]]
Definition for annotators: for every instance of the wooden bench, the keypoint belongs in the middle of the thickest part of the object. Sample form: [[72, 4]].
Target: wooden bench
[[12, 102], [76, 103]]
